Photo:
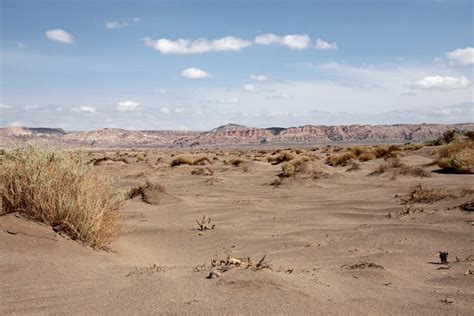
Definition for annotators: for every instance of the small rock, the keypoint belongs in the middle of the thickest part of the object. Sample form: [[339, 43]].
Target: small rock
[[12, 232], [213, 275]]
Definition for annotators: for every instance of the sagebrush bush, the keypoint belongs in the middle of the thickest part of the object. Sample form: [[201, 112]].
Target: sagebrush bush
[[457, 157], [341, 159], [56, 188]]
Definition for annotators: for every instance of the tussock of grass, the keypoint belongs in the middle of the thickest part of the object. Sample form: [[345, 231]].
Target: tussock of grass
[[55, 187], [143, 190], [281, 157], [422, 194], [366, 156], [188, 160], [294, 166], [399, 168], [457, 157], [202, 172], [341, 159]]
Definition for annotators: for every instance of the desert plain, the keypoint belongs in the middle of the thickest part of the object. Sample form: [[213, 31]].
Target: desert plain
[[353, 238]]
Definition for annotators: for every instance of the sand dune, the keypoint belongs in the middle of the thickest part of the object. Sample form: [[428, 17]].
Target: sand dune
[[331, 244]]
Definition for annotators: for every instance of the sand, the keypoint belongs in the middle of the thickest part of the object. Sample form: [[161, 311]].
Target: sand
[[331, 244]]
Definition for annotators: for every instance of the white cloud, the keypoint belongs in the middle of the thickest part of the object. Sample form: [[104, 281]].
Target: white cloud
[[297, 41], [278, 96], [442, 83], [461, 56], [230, 100], [127, 106], [165, 110], [31, 107], [322, 44], [194, 73], [136, 20], [5, 106], [267, 39], [248, 87], [179, 110], [110, 25], [259, 77], [60, 35], [87, 109], [199, 46]]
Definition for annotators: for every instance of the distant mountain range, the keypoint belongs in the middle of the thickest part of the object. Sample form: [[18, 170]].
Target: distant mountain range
[[230, 134]]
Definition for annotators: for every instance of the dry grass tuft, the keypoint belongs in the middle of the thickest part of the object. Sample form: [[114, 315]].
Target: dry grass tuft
[[366, 156], [98, 161], [399, 168], [290, 168], [56, 188], [188, 160], [206, 171], [422, 194], [281, 157], [341, 159], [143, 190], [457, 157], [205, 223]]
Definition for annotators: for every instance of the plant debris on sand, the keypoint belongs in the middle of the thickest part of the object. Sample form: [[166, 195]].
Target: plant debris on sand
[[223, 265]]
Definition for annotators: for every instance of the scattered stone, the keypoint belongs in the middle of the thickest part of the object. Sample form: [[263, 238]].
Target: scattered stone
[[213, 275], [443, 257]]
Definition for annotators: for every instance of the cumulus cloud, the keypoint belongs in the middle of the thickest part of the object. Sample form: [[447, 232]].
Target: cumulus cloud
[[194, 73], [259, 77], [248, 87], [202, 45], [5, 106], [442, 83], [165, 110], [267, 39], [127, 106], [60, 36], [110, 25], [461, 56], [297, 41], [322, 44]]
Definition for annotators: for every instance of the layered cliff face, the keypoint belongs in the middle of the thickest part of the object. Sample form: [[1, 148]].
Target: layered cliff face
[[232, 134], [325, 134]]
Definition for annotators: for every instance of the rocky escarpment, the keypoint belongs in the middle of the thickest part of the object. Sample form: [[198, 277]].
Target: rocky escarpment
[[324, 134], [231, 134]]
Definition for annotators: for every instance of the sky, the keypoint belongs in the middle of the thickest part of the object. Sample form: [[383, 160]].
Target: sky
[[195, 65]]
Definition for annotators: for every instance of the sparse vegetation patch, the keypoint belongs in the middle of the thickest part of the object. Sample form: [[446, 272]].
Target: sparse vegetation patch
[[56, 188]]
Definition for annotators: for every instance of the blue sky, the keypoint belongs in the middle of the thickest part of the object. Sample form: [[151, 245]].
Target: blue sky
[[198, 64]]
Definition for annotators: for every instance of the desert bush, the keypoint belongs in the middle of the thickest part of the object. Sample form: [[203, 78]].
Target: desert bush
[[188, 160], [341, 159], [457, 157], [399, 168], [290, 168], [422, 194], [144, 191], [55, 187], [281, 157], [366, 156], [236, 162], [202, 172], [182, 160]]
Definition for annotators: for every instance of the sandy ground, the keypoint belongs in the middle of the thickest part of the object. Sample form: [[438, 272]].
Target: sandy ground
[[331, 246]]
